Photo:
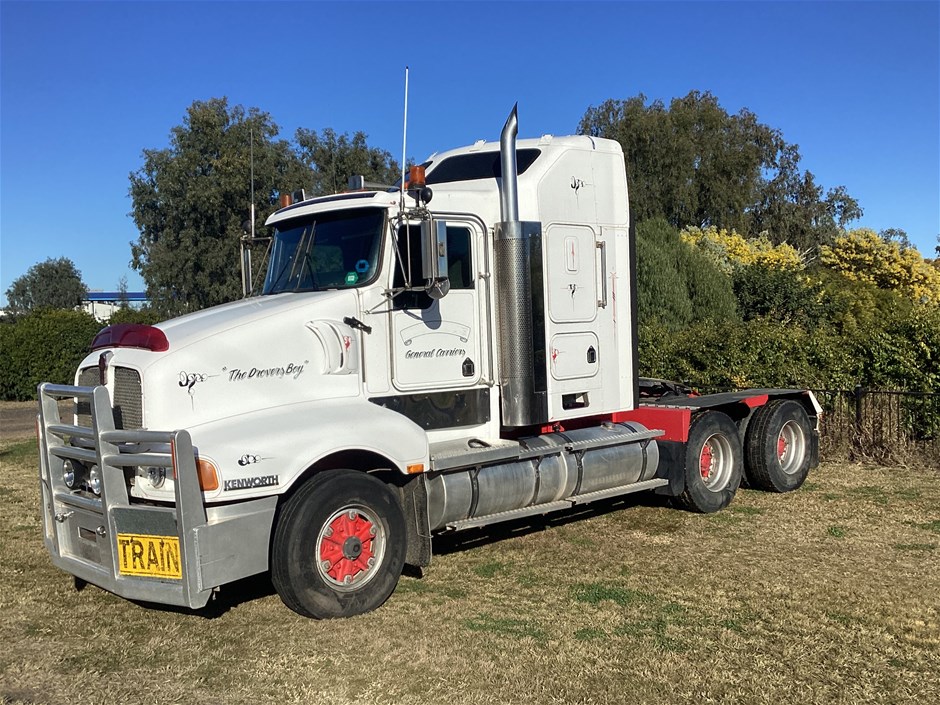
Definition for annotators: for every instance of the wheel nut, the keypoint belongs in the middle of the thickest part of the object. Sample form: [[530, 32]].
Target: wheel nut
[[352, 514], [370, 562], [347, 579], [329, 531], [326, 565], [372, 531]]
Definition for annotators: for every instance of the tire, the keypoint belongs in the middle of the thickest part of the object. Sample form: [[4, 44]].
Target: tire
[[777, 446], [339, 545], [713, 463]]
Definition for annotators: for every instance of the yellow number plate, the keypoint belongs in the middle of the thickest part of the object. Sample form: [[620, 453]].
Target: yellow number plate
[[150, 556]]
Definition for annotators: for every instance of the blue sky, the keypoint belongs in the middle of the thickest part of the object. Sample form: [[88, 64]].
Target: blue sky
[[86, 86]]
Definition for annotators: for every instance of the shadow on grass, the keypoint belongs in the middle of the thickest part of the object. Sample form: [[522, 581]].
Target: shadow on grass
[[246, 590], [228, 597]]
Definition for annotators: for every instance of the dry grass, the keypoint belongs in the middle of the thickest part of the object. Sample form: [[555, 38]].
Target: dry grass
[[827, 595]]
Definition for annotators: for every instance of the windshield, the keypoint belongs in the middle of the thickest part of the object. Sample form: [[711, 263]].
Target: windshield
[[332, 250]]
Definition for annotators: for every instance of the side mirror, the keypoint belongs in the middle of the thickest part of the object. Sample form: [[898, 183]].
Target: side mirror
[[434, 258]]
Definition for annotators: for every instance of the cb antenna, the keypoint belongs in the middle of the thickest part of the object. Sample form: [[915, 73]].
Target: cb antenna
[[404, 143], [251, 159], [248, 229]]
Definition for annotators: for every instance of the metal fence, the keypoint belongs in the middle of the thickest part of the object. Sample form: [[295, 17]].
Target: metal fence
[[880, 424]]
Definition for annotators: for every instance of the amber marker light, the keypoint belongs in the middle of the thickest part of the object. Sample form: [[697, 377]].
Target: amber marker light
[[208, 475], [415, 469], [416, 177], [206, 471]]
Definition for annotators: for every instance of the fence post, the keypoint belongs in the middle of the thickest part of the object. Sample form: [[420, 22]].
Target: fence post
[[859, 393]]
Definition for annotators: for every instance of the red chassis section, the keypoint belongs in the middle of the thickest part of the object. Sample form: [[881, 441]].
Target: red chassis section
[[673, 416]]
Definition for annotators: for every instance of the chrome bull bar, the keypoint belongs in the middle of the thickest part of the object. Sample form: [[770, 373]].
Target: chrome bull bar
[[192, 551]]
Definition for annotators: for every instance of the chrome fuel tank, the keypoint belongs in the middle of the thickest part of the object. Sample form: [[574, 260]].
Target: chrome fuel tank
[[562, 465]]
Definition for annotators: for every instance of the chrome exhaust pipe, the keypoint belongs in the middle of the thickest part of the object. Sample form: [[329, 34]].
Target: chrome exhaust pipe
[[509, 192], [520, 298]]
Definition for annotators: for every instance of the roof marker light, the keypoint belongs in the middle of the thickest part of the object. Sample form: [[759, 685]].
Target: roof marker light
[[131, 335], [416, 178]]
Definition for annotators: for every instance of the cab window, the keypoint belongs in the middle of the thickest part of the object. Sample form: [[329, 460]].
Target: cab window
[[459, 264]]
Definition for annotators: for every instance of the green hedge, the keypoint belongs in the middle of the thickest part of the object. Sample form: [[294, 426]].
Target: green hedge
[[44, 346], [761, 327], [677, 285], [902, 353], [755, 353]]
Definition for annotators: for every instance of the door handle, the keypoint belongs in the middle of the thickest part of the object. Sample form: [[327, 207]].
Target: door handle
[[602, 302]]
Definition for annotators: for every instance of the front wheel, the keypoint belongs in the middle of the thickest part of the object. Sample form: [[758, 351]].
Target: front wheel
[[713, 463], [339, 545], [778, 446]]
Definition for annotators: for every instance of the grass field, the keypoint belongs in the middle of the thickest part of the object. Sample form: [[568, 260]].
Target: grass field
[[827, 595]]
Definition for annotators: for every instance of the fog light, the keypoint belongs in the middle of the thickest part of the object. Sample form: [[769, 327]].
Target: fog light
[[69, 475], [157, 476], [94, 480]]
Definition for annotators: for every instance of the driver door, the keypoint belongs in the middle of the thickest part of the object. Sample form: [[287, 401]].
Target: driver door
[[436, 344]]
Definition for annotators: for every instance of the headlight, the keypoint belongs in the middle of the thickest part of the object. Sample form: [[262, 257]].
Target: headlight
[[94, 480], [157, 476], [69, 474]]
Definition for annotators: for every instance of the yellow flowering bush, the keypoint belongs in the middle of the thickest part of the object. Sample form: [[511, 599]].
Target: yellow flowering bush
[[730, 250], [862, 255]]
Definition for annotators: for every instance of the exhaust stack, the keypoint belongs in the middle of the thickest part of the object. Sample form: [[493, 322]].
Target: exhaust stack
[[509, 191], [521, 298]]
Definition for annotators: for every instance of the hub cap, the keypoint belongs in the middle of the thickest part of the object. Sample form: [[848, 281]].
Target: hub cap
[[350, 548]]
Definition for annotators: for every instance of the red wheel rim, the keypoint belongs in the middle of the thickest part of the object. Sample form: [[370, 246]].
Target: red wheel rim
[[706, 461], [349, 547], [782, 446]]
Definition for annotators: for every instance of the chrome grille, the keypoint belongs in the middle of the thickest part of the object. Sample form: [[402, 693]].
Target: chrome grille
[[87, 377], [128, 406], [126, 399]]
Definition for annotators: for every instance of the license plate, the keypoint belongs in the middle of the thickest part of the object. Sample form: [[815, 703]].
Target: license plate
[[149, 556]]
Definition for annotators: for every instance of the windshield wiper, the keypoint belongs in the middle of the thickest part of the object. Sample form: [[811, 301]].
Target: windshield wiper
[[293, 260]]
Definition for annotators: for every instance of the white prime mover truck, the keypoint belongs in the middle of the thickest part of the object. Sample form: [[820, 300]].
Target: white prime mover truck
[[455, 353]]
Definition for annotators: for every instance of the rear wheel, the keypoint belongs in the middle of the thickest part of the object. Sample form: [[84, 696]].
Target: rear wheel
[[713, 463], [778, 446], [339, 545]]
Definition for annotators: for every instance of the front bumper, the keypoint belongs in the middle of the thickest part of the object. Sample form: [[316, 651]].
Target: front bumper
[[174, 555]]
